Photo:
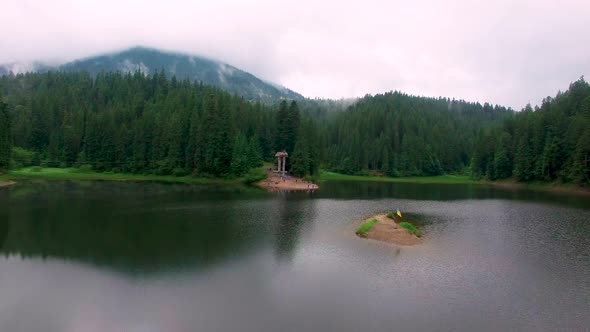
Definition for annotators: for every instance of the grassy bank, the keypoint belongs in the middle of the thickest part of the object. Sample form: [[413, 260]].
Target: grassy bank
[[540, 186], [454, 179], [75, 174], [460, 179], [365, 227]]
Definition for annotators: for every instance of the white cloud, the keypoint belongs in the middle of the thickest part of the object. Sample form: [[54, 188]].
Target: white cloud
[[505, 52]]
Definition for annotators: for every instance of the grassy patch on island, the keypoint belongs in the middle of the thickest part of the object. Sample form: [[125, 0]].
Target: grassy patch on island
[[365, 227], [410, 228], [450, 179]]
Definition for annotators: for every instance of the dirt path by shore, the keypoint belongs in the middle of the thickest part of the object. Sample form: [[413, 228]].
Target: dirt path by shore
[[6, 183], [389, 231], [275, 183]]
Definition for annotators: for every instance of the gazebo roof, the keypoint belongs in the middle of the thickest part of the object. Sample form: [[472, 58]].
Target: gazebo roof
[[282, 154]]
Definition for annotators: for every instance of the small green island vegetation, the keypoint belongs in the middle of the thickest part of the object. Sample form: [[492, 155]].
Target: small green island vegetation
[[410, 228], [365, 227]]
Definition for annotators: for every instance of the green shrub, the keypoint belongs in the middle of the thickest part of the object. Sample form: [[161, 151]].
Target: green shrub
[[365, 227], [362, 172], [178, 171], [22, 156], [411, 228], [164, 170], [15, 164], [36, 169], [312, 178], [255, 175], [86, 168], [394, 173], [390, 215]]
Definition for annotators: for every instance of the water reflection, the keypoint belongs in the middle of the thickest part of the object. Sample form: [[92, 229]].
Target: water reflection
[[131, 227], [140, 227], [294, 212], [214, 258]]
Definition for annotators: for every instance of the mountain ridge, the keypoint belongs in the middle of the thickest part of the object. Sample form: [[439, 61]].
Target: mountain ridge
[[148, 60]]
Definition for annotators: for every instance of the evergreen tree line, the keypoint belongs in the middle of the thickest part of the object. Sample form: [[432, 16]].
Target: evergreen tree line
[[548, 143], [402, 135], [5, 136], [151, 124], [140, 124]]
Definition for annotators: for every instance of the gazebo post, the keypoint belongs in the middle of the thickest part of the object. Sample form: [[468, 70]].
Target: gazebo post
[[281, 161], [283, 164], [279, 164]]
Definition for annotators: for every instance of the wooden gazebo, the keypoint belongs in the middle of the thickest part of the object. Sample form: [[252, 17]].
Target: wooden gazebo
[[281, 160]]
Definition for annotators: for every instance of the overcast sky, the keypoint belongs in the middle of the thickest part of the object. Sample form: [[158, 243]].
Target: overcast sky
[[505, 52]]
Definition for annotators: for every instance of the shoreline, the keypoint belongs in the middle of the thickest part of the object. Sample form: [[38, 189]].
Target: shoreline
[[271, 182], [274, 182], [460, 179], [290, 183], [389, 231], [74, 175], [7, 183], [548, 187], [441, 179]]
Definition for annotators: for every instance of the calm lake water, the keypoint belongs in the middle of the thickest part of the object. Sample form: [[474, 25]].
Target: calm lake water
[[108, 256]]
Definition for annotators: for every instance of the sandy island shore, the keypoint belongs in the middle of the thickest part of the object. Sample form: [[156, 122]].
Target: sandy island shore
[[6, 183], [387, 230], [274, 183]]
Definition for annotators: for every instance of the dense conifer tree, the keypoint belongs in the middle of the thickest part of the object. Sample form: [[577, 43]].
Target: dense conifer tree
[[398, 134], [549, 143], [5, 136]]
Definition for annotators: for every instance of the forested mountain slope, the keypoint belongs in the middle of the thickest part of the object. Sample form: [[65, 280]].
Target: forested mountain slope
[[548, 143], [183, 66], [134, 123], [403, 135]]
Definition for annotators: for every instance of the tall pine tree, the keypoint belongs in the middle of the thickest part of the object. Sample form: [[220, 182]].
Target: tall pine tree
[[5, 136]]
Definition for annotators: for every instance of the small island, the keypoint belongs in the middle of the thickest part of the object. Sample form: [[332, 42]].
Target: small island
[[386, 227]]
